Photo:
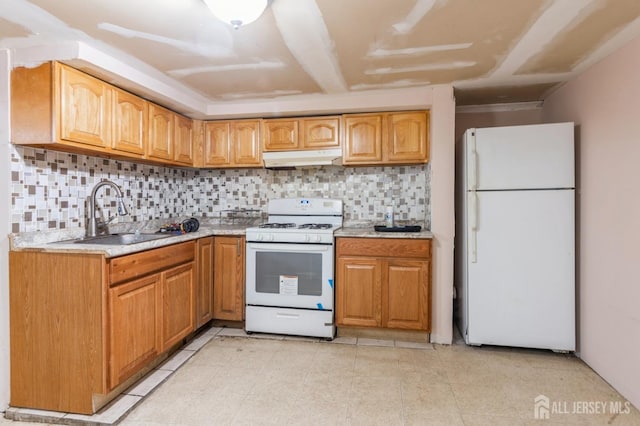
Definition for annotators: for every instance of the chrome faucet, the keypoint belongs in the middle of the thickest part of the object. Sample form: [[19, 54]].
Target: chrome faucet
[[94, 224]]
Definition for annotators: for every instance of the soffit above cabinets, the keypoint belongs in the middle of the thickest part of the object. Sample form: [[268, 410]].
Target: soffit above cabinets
[[177, 53]]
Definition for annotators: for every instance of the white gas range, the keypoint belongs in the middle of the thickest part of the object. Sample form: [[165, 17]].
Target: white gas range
[[289, 268]]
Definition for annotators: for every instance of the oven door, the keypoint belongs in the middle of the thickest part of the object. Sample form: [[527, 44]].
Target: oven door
[[290, 275]]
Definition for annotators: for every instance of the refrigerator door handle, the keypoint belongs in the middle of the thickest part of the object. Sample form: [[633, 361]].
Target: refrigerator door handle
[[472, 165], [473, 226]]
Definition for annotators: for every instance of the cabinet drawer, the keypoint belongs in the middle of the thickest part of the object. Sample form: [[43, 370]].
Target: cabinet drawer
[[139, 264], [384, 247]]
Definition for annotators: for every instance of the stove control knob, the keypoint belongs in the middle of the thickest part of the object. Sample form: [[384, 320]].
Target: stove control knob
[[270, 237], [259, 237], [318, 238], [307, 238]]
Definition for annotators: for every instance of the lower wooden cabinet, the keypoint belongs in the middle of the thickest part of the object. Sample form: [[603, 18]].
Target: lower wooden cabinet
[[228, 282], [359, 291], [166, 273], [204, 282], [134, 334], [82, 325], [383, 282], [178, 307]]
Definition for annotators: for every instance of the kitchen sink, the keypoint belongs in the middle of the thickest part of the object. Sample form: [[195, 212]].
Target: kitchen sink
[[119, 239]]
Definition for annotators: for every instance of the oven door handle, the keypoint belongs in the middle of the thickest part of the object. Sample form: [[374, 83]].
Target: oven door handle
[[289, 247]]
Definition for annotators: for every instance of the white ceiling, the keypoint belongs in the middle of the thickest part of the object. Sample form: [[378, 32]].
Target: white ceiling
[[176, 52]]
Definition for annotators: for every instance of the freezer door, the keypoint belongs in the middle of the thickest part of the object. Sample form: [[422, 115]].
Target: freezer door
[[521, 157], [521, 286]]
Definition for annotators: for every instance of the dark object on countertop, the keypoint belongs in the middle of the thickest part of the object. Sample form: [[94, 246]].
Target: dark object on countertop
[[189, 225], [405, 228]]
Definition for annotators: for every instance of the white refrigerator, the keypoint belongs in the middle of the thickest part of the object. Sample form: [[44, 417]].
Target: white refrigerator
[[515, 263]]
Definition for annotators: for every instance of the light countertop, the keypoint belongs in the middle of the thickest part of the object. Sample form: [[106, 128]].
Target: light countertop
[[61, 241], [56, 241], [366, 230]]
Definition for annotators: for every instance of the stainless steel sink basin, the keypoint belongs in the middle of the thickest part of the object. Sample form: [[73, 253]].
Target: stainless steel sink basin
[[119, 239]]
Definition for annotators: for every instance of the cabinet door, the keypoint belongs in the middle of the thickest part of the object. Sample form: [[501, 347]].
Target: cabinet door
[[160, 142], [178, 307], [204, 292], [320, 133], [228, 282], [217, 147], [407, 140], [134, 335], [245, 143], [85, 110], [405, 294], [183, 140], [362, 139], [358, 292], [280, 135], [129, 122]]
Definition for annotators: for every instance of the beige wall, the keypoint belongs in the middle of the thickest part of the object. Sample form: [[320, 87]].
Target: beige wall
[[468, 120], [442, 159], [604, 103]]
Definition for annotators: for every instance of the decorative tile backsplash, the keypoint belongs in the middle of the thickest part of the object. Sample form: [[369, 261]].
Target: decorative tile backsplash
[[50, 189]]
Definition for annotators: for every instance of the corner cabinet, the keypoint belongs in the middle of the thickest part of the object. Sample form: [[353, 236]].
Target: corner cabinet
[[228, 282], [383, 283], [231, 144], [83, 327], [386, 139]]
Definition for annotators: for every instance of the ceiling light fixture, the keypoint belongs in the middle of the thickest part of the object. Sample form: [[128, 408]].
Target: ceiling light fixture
[[237, 12]]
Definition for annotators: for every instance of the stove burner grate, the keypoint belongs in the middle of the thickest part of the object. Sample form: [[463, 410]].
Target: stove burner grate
[[316, 226], [275, 225]]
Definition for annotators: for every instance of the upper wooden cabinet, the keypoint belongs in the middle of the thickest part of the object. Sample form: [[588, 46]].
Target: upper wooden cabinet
[[129, 122], [301, 133], [407, 137], [362, 139], [161, 133], [231, 144], [184, 140], [57, 107], [386, 139], [320, 132], [280, 135], [85, 113], [170, 136]]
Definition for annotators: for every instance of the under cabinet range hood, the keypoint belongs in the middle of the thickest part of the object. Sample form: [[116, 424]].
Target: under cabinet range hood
[[302, 158]]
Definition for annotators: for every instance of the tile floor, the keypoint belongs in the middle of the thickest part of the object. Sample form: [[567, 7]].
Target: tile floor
[[286, 381]]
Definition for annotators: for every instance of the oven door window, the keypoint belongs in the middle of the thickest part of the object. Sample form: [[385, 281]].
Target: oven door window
[[289, 273]]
